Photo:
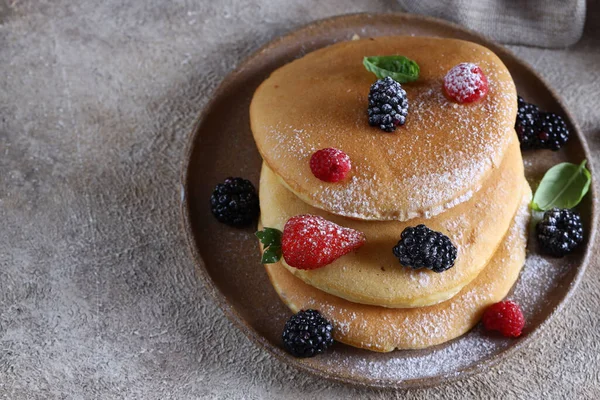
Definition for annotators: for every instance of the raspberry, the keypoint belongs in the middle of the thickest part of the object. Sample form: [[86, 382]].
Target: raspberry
[[330, 165], [311, 242], [559, 232], [307, 334], [235, 202], [420, 247], [466, 83], [505, 317], [388, 104]]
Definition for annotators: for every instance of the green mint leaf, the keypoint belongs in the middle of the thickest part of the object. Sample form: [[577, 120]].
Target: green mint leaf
[[399, 68], [271, 255], [271, 240], [563, 186], [269, 236]]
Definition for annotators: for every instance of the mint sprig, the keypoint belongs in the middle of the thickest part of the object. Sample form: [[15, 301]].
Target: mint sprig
[[271, 240], [401, 69], [563, 186]]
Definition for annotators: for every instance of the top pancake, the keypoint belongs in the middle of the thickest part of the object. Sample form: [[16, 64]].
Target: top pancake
[[438, 159]]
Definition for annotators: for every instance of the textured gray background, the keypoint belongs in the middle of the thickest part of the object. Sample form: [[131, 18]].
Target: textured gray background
[[98, 297]]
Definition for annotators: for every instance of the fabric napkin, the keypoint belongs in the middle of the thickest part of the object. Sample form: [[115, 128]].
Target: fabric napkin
[[543, 23]]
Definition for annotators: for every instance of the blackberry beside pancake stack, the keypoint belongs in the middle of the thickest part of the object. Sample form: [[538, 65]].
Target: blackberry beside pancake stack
[[427, 152]]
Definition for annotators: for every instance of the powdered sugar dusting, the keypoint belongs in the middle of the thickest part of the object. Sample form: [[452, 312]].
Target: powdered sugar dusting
[[538, 279], [449, 360]]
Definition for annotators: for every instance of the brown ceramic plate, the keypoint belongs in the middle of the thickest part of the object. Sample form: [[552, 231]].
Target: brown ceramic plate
[[227, 259]]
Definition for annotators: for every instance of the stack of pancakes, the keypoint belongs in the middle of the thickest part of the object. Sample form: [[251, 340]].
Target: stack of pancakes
[[456, 168]]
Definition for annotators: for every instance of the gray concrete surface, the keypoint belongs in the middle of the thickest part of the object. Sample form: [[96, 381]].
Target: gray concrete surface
[[98, 298]]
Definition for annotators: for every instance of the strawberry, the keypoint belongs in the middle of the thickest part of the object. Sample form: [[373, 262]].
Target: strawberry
[[466, 83], [310, 241]]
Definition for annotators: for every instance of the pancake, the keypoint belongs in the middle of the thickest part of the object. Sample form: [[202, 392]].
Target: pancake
[[372, 275], [384, 329], [438, 159]]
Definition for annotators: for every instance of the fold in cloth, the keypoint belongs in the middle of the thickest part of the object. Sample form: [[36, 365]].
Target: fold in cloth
[[544, 23]]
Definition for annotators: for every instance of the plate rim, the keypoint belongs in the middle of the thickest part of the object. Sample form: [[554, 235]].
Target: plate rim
[[232, 314]]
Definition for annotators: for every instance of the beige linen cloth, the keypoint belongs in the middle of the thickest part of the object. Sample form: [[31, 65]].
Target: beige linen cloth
[[543, 23]]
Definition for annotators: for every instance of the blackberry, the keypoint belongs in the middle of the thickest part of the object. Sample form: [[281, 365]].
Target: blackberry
[[420, 247], [388, 105], [527, 137], [525, 125], [539, 130], [527, 113], [552, 131], [559, 232], [235, 202], [307, 334]]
